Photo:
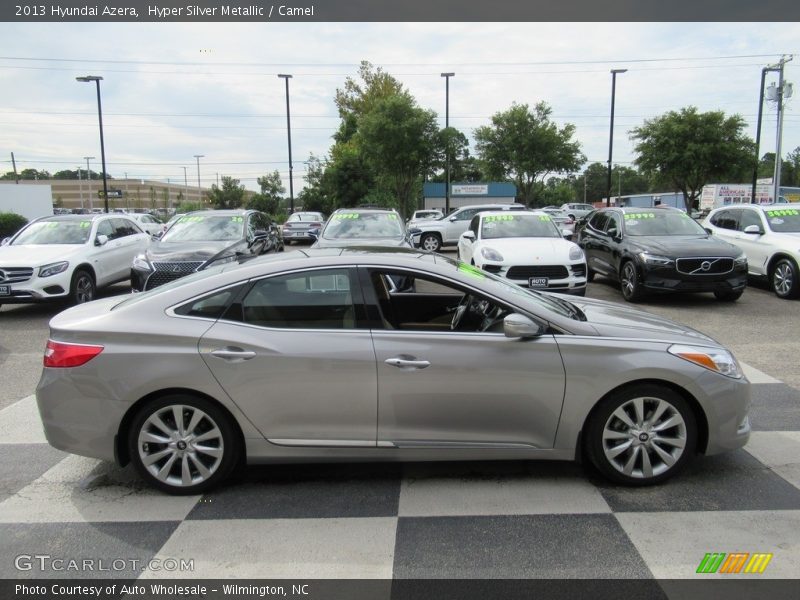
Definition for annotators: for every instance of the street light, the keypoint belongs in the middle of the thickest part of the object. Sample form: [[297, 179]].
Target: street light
[[89, 181], [289, 134], [447, 77], [199, 193], [611, 133], [97, 79]]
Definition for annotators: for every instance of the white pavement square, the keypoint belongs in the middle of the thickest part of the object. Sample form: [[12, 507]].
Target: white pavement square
[[780, 451], [20, 423]]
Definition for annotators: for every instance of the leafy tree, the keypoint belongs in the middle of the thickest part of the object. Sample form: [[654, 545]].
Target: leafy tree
[[11, 223], [790, 167], [27, 174], [229, 195], [690, 149], [186, 207], [453, 142], [269, 199], [557, 192], [398, 140], [526, 146]]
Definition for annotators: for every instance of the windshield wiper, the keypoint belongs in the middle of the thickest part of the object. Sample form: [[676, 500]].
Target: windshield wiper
[[573, 310]]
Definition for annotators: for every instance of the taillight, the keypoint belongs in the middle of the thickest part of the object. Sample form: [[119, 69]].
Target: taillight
[[62, 354], [312, 225]]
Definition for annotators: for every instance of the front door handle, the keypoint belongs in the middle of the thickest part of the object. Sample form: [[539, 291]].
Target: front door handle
[[407, 362], [233, 354]]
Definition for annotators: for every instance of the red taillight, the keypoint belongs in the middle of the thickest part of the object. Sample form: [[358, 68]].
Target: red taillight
[[61, 354], [312, 225]]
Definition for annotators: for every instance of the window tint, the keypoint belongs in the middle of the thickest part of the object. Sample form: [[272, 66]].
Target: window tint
[[726, 219], [473, 225], [749, 217], [105, 228], [599, 221], [124, 227], [613, 225], [465, 215], [209, 307], [312, 300]]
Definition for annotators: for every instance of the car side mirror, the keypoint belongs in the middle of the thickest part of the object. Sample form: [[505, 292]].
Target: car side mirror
[[451, 219], [314, 233], [516, 325], [157, 235], [709, 231], [753, 229], [469, 235], [567, 234], [101, 240]]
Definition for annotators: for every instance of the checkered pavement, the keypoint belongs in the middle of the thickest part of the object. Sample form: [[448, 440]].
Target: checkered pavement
[[433, 520]]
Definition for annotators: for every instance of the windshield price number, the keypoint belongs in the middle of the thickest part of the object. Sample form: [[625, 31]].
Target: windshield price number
[[538, 282], [5, 290]]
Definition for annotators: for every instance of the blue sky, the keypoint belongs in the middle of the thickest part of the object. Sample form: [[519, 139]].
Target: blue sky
[[173, 90]]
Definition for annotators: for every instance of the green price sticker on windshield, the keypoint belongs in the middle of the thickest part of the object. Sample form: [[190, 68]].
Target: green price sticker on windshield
[[544, 217], [346, 216], [783, 212], [237, 219], [492, 218], [85, 224], [634, 216], [196, 219]]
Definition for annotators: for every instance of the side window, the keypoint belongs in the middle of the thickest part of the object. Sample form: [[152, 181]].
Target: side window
[[209, 307], [310, 300], [598, 221], [726, 219], [613, 225], [105, 228], [123, 228], [474, 225], [749, 217], [466, 215]]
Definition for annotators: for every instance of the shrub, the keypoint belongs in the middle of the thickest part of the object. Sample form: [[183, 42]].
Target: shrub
[[11, 223]]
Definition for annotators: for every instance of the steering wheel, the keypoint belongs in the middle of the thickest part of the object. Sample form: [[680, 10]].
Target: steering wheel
[[460, 311]]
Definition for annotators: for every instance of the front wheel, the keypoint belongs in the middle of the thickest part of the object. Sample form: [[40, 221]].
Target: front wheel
[[430, 242], [784, 279], [183, 444], [629, 283], [641, 435], [83, 287]]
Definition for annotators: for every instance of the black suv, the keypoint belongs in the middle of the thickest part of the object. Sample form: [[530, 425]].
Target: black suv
[[660, 250], [201, 239]]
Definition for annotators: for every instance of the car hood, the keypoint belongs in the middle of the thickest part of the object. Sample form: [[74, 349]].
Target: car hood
[[346, 243], [616, 320], [530, 250], [36, 255], [679, 246], [191, 251]]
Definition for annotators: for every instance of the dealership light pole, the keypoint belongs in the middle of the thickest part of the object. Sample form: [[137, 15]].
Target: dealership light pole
[[199, 194], [783, 90], [447, 77], [287, 77], [611, 133], [97, 79], [89, 181]]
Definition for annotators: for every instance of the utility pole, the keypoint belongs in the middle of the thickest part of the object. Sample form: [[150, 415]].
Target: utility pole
[[14, 163], [781, 90], [584, 188], [89, 181], [80, 185]]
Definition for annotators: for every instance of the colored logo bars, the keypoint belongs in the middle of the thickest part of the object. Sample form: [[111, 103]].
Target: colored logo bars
[[733, 563]]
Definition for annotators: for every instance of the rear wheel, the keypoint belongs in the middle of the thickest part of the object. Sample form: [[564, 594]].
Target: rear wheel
[[430, 242], [784, 279], [183, 444], [629, 283], [642, 435], [83, 287]]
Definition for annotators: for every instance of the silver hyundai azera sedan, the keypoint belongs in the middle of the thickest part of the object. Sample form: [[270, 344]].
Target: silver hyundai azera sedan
[[313, 356]]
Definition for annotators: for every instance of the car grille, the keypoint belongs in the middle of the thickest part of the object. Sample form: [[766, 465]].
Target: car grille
[[708, 265], [527, 271], [170, 271], [15, 274], [579, 270]]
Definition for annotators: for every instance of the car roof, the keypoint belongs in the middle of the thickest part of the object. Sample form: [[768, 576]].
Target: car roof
[[502, 213], [222, 212], [365, 210]]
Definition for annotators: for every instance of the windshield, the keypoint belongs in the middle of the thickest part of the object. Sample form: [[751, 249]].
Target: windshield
[[355, 225], [305, 217], [783, 220], [661, 222], [202, 228], [55, 232], [518, 226]]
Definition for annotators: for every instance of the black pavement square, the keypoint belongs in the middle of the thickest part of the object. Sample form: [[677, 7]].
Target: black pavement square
[[305, 491], [515, 547], [22, 464], [732, 481], [775, 407]]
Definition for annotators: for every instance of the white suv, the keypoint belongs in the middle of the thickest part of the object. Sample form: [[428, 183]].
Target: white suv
[[67, 257], [432, 234], [769, 235]]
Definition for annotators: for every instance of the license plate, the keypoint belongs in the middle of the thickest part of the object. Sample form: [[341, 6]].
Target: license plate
[[5, 290], [538, 281]]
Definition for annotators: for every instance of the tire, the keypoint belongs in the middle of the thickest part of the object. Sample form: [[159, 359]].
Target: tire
[[189, 470], [784, 280], [82, 289], [430, 242], [728, 295], [626, 447], [629, 282]]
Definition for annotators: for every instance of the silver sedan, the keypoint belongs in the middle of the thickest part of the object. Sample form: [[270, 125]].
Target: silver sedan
[[312, 356]]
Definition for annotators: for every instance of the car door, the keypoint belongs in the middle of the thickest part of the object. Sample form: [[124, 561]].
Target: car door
[[752, 244], [597, 245], [131, 241], [457, 224], [291, 355], [443, 389], [466, 247], [110, 259]]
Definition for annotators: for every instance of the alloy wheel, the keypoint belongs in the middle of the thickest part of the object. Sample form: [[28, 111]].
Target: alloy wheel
[[783, 279]]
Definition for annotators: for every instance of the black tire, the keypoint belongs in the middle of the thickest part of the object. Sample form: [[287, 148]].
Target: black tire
[[603, 422], [629, 282], [784, 280], [221, 444], [82, 289], [430, 242], [728, 295]]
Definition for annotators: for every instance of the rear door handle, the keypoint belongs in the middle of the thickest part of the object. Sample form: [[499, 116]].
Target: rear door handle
[[407, 362], [233, 354]]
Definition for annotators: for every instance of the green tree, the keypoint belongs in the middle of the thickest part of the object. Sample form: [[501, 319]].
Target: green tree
[[526, 146], [269, 199], [790, 167], [398, 140], [229, 195], [691, 149], [27, 174]]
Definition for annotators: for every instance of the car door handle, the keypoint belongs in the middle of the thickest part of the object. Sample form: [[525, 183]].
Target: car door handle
[[233, 354], [407, 362]]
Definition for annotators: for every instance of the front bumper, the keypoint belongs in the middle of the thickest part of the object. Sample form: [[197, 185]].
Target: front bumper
[[574, 283], [39, 289], [667, 279], [726, 404]]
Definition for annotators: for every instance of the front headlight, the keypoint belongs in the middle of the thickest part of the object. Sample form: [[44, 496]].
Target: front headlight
[[741, 260], [53, 269], [491, 254], [713, 359], [575, 253], [141, 263], [656, 260]]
